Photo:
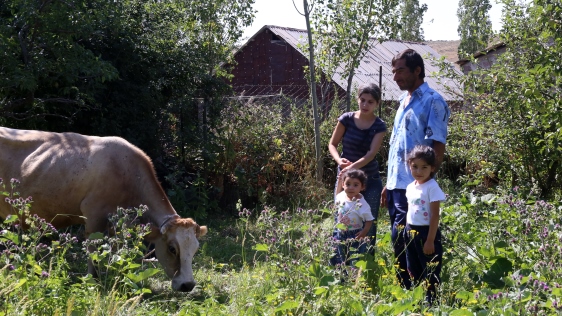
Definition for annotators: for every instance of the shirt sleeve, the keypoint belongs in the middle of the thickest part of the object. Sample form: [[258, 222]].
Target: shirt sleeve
[[344, 119], [365, 212], [436, 194], [438, 120]]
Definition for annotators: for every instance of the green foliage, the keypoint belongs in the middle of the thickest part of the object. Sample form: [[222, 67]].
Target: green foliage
[[411, 19], [344, 32], [511, 126], [117, 258], [502, 256], [475, 26], [263, 155]]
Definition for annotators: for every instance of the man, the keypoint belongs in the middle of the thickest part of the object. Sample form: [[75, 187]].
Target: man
[[421, 120]]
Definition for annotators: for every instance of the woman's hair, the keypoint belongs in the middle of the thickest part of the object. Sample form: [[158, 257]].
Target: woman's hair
[[413, 60], [371, 89], [356, 174], [424, 153]]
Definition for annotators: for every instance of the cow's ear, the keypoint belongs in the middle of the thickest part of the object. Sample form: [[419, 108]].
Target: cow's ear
[[154, 233], [201, 231]]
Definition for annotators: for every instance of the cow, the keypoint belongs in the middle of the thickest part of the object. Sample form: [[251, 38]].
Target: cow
[[79, 179]]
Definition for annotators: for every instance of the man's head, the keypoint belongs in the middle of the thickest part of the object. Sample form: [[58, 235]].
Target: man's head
[[408, 70]]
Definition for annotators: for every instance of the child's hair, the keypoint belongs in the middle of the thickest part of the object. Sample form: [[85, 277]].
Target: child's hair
[[424, 153], [371, 89], [355, 174]]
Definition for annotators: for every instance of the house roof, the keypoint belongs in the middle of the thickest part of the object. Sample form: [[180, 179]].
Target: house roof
[[482, 53], [379, 54]]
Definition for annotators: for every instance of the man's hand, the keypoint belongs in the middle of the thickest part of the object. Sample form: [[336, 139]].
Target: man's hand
[[384, 200]]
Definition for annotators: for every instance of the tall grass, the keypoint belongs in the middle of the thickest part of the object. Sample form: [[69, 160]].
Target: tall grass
[[502, 257]]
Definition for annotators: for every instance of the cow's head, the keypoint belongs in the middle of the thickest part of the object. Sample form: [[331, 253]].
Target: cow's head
[[175, 244]]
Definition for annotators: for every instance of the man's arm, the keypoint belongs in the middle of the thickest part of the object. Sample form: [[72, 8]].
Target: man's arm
[[439, 149]]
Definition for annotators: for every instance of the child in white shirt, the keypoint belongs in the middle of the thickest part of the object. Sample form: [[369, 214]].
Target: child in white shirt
[[353, 216], [424, 251]]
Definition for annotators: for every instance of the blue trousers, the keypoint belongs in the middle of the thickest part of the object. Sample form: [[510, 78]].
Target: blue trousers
[[421, 266], [397, 210], [347, 246]]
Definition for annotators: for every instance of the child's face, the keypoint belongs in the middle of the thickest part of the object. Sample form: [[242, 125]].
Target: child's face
[[352, 187], [421, 171]]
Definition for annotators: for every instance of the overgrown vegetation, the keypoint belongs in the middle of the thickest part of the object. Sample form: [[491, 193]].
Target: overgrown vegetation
[[503, 256], [253, 164]]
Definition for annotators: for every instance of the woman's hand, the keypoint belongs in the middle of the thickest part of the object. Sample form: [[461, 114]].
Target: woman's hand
[[344, 163]]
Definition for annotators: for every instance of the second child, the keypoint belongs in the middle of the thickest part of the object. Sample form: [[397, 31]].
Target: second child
[[353, 216], [424, 250]]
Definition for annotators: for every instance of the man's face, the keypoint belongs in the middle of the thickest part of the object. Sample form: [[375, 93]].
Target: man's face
[[405, 79]]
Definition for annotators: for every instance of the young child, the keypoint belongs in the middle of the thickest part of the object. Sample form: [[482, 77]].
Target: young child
[[353, 216], [424, 251]]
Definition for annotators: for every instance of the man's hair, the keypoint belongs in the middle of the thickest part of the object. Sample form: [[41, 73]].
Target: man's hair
[[413, 60], [356, 174], [371, 89]]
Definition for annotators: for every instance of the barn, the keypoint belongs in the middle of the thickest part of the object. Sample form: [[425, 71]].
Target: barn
[[482, 60], [272, 62]]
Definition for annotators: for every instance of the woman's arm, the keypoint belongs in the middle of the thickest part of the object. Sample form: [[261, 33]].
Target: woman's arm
[[429, 246], [337, 136], [370, 155]]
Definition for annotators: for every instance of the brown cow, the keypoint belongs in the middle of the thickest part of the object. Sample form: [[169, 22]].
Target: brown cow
[[76, 179]]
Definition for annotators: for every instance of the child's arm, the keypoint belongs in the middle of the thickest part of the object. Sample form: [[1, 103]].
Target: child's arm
[[365, 230], [429, 246], [340, 182]]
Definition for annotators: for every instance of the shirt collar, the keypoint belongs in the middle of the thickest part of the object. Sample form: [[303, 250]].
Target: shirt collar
[[421, 90], [418, 92]]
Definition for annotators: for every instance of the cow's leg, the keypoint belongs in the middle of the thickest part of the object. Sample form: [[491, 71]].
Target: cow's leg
[[96, 221]]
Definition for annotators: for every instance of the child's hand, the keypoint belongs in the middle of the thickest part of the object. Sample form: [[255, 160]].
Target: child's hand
[[361, 234], [428, 247]]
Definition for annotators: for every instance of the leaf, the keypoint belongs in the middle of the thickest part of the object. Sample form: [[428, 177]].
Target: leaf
[[143, 275], [261, 247], [320, 290], [96, 236], [10, 219], [13, 237], [461, 312], [287, 305], [464, 295]]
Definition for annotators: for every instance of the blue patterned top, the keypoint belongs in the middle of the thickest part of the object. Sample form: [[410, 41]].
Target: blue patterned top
[[356, 142], [421, 122]]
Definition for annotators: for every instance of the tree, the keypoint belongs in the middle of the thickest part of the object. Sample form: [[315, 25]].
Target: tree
[[307, 9], [475, 26], [49, 70], [513, 132], [411, 20], [346, 30]]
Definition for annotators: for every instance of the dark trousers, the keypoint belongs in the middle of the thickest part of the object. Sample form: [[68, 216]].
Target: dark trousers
[[347, 246], [421, 266], [397, 210]]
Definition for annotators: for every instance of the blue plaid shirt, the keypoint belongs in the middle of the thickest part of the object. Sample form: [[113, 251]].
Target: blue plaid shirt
[[421, 122]]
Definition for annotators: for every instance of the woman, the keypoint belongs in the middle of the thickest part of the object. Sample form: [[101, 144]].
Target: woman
[[361, 134]]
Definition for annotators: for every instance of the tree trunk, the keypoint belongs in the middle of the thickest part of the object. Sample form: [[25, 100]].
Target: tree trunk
[[319, 162]]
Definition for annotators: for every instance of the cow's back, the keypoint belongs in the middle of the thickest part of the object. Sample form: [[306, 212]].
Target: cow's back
[[67, 173]]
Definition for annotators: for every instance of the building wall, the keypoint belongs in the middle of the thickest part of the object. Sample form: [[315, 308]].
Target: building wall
[[483, 61], [267, 65]]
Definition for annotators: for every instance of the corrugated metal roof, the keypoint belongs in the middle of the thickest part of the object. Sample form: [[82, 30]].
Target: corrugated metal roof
[[380, 54]]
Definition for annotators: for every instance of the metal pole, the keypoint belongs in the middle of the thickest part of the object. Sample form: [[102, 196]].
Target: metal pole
[[380, 86]]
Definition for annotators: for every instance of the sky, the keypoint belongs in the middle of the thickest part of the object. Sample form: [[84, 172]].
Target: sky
[[440, 19]]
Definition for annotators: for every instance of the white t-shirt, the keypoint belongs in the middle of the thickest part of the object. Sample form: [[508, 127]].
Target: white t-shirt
[[352, 213], [419, 197]]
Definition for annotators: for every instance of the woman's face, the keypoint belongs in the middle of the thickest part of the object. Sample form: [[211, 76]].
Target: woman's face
[[367, 103]]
